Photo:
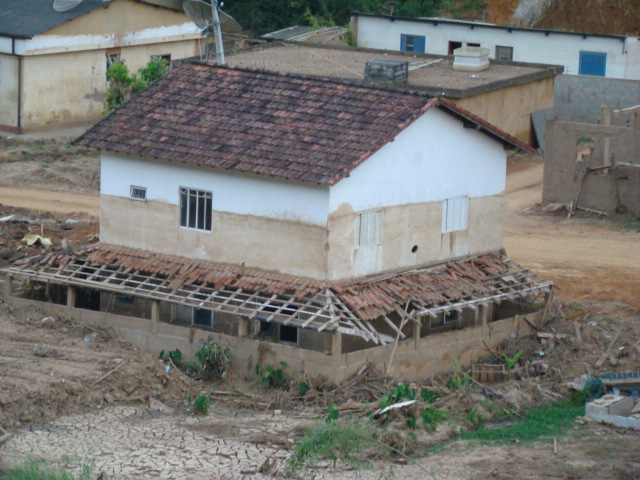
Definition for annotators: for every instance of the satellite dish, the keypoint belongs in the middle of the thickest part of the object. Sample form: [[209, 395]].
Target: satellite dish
[[65, 5], [62, 6], [204, 13]]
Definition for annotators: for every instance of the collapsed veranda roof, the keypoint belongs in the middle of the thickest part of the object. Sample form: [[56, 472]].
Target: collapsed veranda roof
[[347, 306], [295, 127]]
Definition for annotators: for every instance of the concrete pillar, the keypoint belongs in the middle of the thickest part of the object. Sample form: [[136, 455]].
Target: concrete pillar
[[72, 293], [416, 334], [243, 326], [155, 316], [336, 343], [8, 287]]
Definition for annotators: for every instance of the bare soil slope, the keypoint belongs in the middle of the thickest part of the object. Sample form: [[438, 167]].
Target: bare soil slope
[[620, 17]]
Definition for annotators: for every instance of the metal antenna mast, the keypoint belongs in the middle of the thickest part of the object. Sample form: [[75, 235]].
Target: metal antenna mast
[[217, 29]]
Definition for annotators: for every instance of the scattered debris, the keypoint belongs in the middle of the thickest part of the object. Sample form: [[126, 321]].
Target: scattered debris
[[42, 351], [33, 239]]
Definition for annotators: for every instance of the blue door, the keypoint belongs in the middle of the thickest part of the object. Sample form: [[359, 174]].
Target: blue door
[[412, 43], [593, 63]]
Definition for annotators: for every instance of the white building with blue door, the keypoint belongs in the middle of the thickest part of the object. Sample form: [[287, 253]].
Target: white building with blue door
[[613, 56]]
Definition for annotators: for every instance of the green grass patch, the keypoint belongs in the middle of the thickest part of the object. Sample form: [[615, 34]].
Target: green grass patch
[[632, 224], [331, 441], [40, 470], [537, 423]]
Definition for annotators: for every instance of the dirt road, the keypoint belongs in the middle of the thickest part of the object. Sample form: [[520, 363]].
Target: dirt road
[[47, 200], [588, 258]]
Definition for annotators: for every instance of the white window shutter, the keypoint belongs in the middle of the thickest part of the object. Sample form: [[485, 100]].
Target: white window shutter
[[455, 212], [368, 228]]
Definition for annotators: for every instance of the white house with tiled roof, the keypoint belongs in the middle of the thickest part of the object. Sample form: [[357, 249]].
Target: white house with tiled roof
[[252, 204]]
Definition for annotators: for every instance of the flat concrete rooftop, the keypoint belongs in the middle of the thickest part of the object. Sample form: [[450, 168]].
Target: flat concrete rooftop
[[349, 63]]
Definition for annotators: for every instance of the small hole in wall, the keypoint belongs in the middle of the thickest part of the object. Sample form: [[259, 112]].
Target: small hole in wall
[[414, 249]]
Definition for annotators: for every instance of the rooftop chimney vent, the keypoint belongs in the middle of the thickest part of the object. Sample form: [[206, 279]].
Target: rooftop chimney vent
[[386, 71], [471, 59]]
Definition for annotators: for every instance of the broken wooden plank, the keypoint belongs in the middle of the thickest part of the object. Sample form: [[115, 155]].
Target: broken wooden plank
[[605, 355]]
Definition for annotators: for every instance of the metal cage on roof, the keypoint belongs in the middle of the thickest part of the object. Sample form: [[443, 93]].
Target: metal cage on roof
[[386, 71]]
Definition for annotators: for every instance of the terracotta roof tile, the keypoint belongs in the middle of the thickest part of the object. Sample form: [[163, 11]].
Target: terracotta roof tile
[[310, 129]]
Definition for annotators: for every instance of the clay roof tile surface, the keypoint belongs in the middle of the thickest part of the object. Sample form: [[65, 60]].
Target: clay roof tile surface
[[309, 129]]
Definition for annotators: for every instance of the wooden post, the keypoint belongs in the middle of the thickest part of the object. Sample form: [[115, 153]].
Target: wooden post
[[8, 287], [72, 293], [548, 299], [416, 334], [243, 326], [155, 316], [606, 115]]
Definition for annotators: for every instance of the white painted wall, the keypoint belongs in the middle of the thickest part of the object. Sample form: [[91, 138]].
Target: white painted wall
[[623, 58], [233, 193], [432, 159], [6, 45]]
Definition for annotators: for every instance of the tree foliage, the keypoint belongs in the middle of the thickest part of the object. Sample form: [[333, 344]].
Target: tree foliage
[[262, 16], [123, 84]]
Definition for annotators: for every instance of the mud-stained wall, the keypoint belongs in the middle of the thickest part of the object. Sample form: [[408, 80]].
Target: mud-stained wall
[[510, 108], [572, 148], [64, 88], [412, 235], [433, 159], [279, 245], [413, 360], [9, 73]]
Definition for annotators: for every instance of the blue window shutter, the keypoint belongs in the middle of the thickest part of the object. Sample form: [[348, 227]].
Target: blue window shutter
[[593, 63], [419, 44], [403, 43]]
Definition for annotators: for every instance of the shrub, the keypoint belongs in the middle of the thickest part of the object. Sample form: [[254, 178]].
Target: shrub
[[201, 404], [214, 359], [272, 377], [431, 417], [123, 84]]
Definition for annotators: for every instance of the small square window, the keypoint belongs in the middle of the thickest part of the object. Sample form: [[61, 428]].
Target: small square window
[[368, 228], [138, 193], [455, 212], [504, 53]]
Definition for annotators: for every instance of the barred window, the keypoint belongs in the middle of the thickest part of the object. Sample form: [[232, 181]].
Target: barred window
[[195, 209], [138, 193]]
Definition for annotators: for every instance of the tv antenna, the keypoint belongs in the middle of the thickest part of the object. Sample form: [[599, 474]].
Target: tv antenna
[[204, 13]]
